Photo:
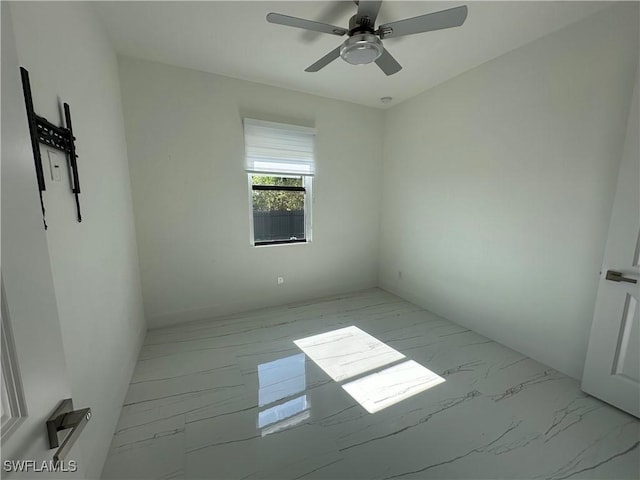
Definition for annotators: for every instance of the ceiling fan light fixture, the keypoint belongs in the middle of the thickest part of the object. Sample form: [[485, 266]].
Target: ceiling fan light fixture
[[361, 49]]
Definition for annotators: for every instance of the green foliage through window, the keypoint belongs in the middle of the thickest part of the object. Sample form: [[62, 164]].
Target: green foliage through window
[[274, 200]]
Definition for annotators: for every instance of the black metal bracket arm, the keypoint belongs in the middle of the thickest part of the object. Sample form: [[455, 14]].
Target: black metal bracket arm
[[60, 138]]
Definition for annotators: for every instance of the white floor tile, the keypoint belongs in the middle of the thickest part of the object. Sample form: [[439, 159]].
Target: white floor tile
[[200, 390]]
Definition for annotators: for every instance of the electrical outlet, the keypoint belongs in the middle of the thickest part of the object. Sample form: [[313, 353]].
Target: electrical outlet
[[280, 280]]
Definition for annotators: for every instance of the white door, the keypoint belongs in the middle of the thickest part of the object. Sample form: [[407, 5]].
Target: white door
[[612, 368], [34, 376]]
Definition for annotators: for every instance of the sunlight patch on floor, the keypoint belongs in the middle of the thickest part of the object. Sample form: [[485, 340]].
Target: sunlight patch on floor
[[349, 352], [382, 389]]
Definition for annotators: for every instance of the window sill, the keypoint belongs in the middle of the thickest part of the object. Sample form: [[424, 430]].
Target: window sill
[[281, 244]]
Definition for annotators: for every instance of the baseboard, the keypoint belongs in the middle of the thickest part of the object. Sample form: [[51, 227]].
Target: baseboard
[[220, 310]]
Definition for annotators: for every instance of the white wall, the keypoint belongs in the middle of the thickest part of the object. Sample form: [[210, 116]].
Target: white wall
[[185, 144], [94, 263], [498, 186], [33, 340]]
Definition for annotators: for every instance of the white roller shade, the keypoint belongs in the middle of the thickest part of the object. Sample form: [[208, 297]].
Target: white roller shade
[[278, 148]]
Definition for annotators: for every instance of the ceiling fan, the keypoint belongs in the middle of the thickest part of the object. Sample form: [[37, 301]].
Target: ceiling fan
[[363, 45]]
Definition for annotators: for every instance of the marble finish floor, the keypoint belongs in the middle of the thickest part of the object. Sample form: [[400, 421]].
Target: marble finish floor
[[235, 398]]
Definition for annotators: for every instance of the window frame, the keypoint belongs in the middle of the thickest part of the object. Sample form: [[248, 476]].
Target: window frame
[[307, 182]]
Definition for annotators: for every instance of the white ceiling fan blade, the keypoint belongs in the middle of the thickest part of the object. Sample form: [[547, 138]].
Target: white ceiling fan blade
[[368, 10], [453, 17], [306, 24], [324, 61], [387, 63]]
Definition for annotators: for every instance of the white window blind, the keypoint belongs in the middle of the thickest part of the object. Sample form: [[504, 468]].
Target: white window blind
[[278, 148]]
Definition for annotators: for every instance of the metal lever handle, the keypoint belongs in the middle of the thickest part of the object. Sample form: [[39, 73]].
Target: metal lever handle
[[619, 277], [65, 418]]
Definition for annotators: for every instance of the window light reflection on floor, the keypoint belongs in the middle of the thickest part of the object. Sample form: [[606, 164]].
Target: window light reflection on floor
[[282, 411], [281, 378], [349, 352], [287, 423], [278, 381]]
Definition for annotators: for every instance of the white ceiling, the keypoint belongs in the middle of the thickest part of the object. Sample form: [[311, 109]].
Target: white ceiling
[[233, 38]]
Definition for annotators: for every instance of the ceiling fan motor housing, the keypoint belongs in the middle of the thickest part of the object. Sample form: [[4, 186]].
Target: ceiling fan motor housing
[[361, 48], [360, 25]]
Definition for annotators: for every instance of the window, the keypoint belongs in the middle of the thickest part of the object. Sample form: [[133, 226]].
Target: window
[[13, 401], [280, 209], [280, 166]]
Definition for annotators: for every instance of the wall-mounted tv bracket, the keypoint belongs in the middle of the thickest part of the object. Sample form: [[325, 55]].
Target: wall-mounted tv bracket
[[60, 138]]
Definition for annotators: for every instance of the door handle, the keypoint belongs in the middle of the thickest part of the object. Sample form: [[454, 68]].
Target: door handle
[[619, 277], [65, 418]]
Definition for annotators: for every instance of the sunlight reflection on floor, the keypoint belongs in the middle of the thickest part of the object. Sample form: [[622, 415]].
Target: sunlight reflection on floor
[[349, 352]]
